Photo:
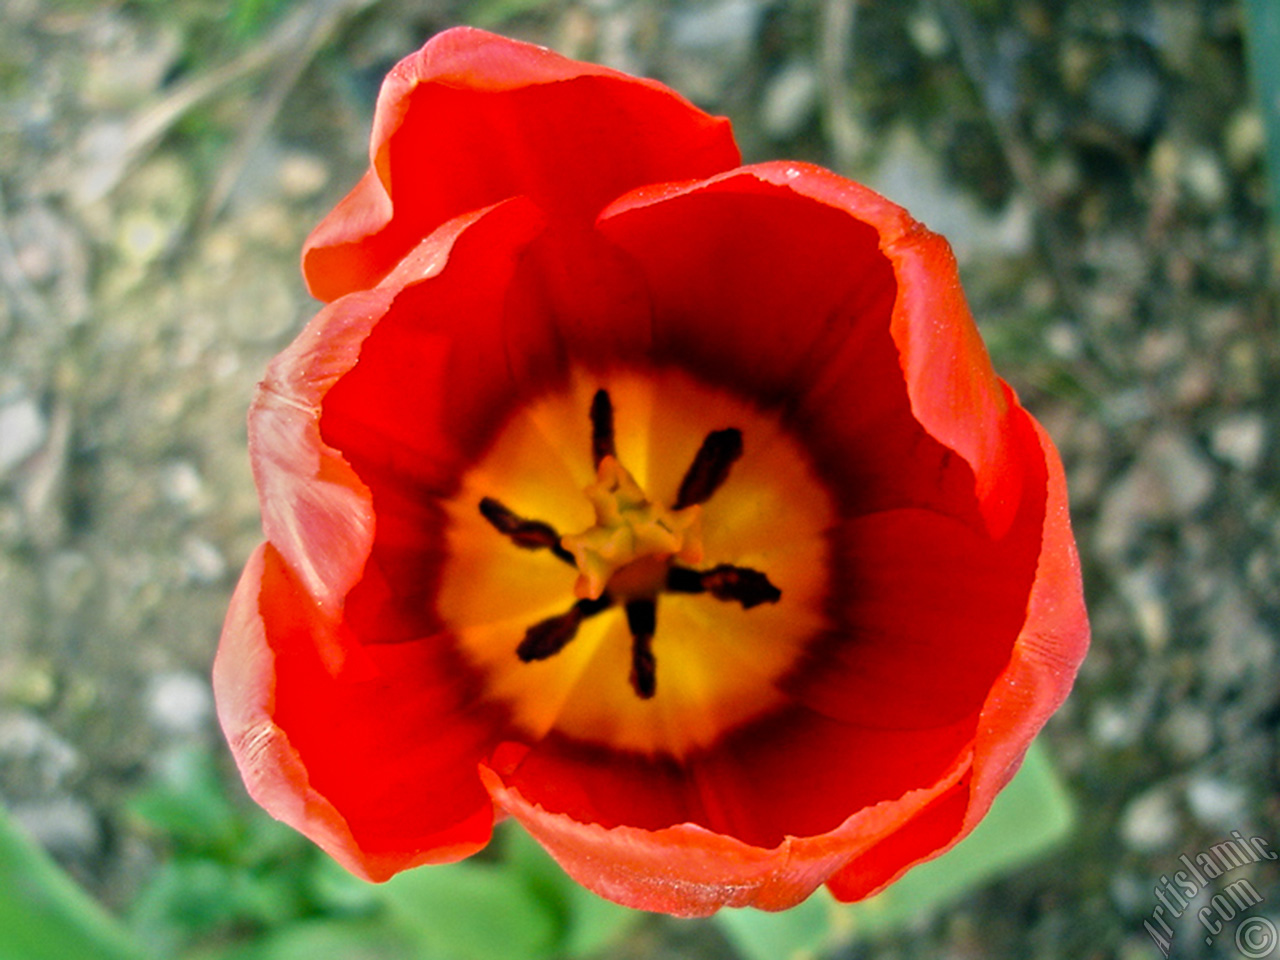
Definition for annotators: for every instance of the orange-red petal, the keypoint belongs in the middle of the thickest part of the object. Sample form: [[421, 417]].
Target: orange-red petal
[[373, 758], [527, 218], [790, 276], [1051, 644], [473, 118], [688, 870]]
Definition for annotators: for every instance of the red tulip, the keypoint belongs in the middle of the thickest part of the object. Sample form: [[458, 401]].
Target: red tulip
[[819, 594]]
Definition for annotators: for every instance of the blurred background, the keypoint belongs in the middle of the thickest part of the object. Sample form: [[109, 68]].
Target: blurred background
[[1100, 168]]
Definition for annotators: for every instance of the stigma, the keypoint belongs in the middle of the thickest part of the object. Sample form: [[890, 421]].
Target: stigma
[[633, 541]]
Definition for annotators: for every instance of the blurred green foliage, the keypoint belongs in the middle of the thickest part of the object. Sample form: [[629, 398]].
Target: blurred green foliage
[[44, 915], [1262, 31], [237, 885], [234, 884]]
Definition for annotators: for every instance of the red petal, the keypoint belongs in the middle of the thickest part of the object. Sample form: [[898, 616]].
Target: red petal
[[934, 829], [473, 118], [1049, 650], [1050, 647], [316, 511], [373, 759], [784, 276], [928, 610], [688, 870]]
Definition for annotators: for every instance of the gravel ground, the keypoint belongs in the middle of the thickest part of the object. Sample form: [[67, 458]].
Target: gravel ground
[[1097, 166]]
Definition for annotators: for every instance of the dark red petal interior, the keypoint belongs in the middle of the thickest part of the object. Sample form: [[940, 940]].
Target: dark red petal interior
[[925, 613]]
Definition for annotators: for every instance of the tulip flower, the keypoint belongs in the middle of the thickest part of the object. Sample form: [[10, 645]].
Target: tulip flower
[[669, 506]]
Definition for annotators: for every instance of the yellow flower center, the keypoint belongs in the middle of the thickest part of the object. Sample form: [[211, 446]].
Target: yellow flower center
[[644, 588]]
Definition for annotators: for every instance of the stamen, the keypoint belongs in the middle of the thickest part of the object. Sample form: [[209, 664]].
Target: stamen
[[631, 545], [548, 637], [602, 428], [710, 467], [642, 619], [526, 534], [725, 582]]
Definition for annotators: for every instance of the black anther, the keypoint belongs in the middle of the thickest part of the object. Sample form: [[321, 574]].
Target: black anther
[[548, 637], [602, 444], [527, 534], [642, 617], [710, 467]]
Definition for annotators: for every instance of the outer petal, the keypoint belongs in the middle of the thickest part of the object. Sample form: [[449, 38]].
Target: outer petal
[[896, 273], [1050, 647], [316, 511], [340, 756], [370, 750], [473, 118], [1049, 651], [688, 870]]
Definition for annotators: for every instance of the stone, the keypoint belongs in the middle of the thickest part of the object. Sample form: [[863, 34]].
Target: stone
[[1112, 725], [1204, 177], [1149, 823], [1245, 139], [726, 28], [707, 45], [790, 100], [301, 175], [1187, 731], [182, 485], [202, 562], [22, 432], [1185, 475], [1217, 804], [65, 826], [1240, 439], [34, 754], [180, 703], [1127, 96]]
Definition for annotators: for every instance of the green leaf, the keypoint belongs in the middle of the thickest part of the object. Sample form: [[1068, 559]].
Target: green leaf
[[471, 911], [587, 922], [794, 933], [321, 940], [1031, 816], [188, 804], [1262, 31], [336, 890], [44, 915]]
